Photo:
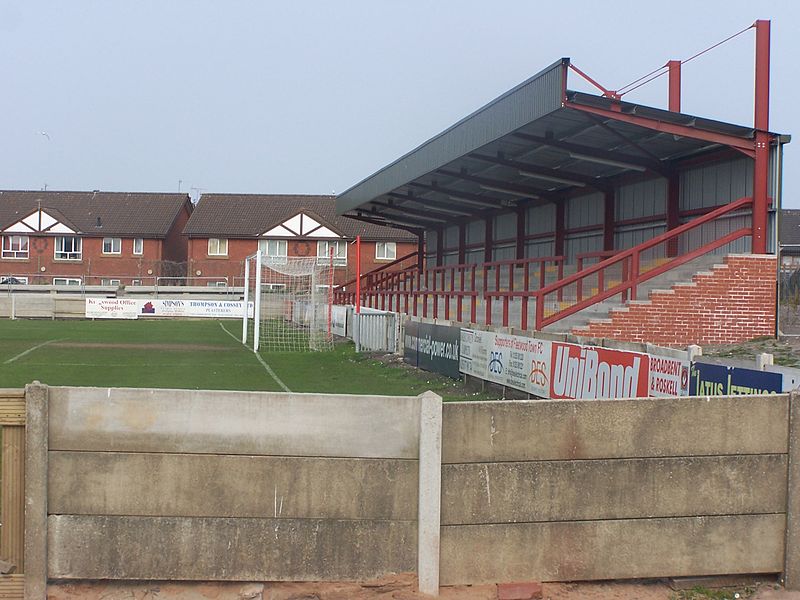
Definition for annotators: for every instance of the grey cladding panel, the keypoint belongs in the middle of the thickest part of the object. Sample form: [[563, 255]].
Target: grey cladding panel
[[557, 430], [277, 424], [583, 211], [476, 232], [621, 549], [505, 226], [716, 183], [642, 199], [210, 549], [540, 219], [510, 492], [208, 485]]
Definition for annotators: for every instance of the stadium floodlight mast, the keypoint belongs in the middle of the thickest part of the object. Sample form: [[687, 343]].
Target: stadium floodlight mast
[[293, 303]]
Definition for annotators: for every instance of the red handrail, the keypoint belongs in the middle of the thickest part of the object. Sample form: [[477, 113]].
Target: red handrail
[[396, 261], [630, 263]]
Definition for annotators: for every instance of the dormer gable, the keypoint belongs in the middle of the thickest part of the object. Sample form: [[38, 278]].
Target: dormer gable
[[302, 225], [39, 221]]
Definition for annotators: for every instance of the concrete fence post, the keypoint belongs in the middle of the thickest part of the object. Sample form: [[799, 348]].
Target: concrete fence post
[[36, 446], [764, 359], [430, 492], [791, 568]]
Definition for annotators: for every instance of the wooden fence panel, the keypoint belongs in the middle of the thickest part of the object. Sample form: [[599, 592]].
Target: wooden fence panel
[[12, 485]]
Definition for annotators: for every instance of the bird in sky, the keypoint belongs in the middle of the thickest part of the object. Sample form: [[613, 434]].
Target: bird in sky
[[44, 133]]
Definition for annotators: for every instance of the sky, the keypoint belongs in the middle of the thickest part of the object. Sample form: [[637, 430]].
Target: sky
[[311, 97]]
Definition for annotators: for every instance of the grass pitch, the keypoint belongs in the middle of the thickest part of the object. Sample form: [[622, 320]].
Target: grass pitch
[[200, 354]]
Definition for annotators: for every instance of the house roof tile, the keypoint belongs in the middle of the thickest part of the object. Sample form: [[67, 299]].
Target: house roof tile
[[140, 214]]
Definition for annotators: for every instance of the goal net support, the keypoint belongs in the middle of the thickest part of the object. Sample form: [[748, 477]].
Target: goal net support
[[293, 299]]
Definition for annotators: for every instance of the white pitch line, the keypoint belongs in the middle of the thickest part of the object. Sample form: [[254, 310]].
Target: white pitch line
[[29, 350], [263, 363]]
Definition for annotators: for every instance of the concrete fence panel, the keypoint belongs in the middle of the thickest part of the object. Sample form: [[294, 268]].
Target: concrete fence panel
[[235, 486], [585, 490]]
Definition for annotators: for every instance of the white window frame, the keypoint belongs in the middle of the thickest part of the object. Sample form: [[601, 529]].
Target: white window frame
[[16, 251], [339, 256], [385, 246], [136, 282], [217, 244], [222, 284], [281, 250], [105, 281], [112, 241], [77, 249], [66, 281], [140, 243]]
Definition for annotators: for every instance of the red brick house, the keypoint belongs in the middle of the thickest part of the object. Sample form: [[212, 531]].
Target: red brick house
[[226, 228], [92, 238]]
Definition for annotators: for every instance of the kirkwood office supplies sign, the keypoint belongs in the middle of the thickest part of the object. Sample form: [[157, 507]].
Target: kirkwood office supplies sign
[[124, 308]]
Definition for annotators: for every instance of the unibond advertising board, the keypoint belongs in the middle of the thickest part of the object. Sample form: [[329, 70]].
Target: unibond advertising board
[[589, 372], [432, 347], [719, 380], [125, 308]]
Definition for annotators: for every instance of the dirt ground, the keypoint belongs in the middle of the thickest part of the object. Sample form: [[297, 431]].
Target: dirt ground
[[401, 587]]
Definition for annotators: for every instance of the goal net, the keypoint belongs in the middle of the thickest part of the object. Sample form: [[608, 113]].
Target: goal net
[[293, 298]]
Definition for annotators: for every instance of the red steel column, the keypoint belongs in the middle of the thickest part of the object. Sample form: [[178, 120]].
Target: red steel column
[[520, 232], [608, 221], [761, 166], [462, 243], [421, 251], [558, 249], [439, 247], [674, 85], [488, 241], [673, 209]]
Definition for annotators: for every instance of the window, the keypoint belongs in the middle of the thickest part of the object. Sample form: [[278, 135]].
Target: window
[[385, 251], [112, 245], [273, 287], [138, 246], [15, 246], [109, 282], [136, 282], [275, 251], [66, 281], [68, 248], [217, 247], [222, 284], [339, 253]]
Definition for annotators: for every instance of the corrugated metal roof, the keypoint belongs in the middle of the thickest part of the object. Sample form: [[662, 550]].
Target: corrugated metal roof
[[140, 214], [528, 146]]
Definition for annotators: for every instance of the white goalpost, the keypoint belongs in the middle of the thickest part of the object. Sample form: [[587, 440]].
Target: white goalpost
[[293, 299]]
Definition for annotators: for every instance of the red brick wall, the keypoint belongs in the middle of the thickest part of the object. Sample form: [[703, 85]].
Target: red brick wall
[[232, 265], [175, 244], [734, 303], [93, 265]]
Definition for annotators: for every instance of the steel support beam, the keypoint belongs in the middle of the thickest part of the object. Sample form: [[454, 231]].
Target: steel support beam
[[440, 247], [465, 196], [520, 253], [504, 187], [673, 210], [547, 174], [741, 144], [488, 239], [761, 122], [654, 166], [462, 243], [427, 203], [426, 213], [674, 67]]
